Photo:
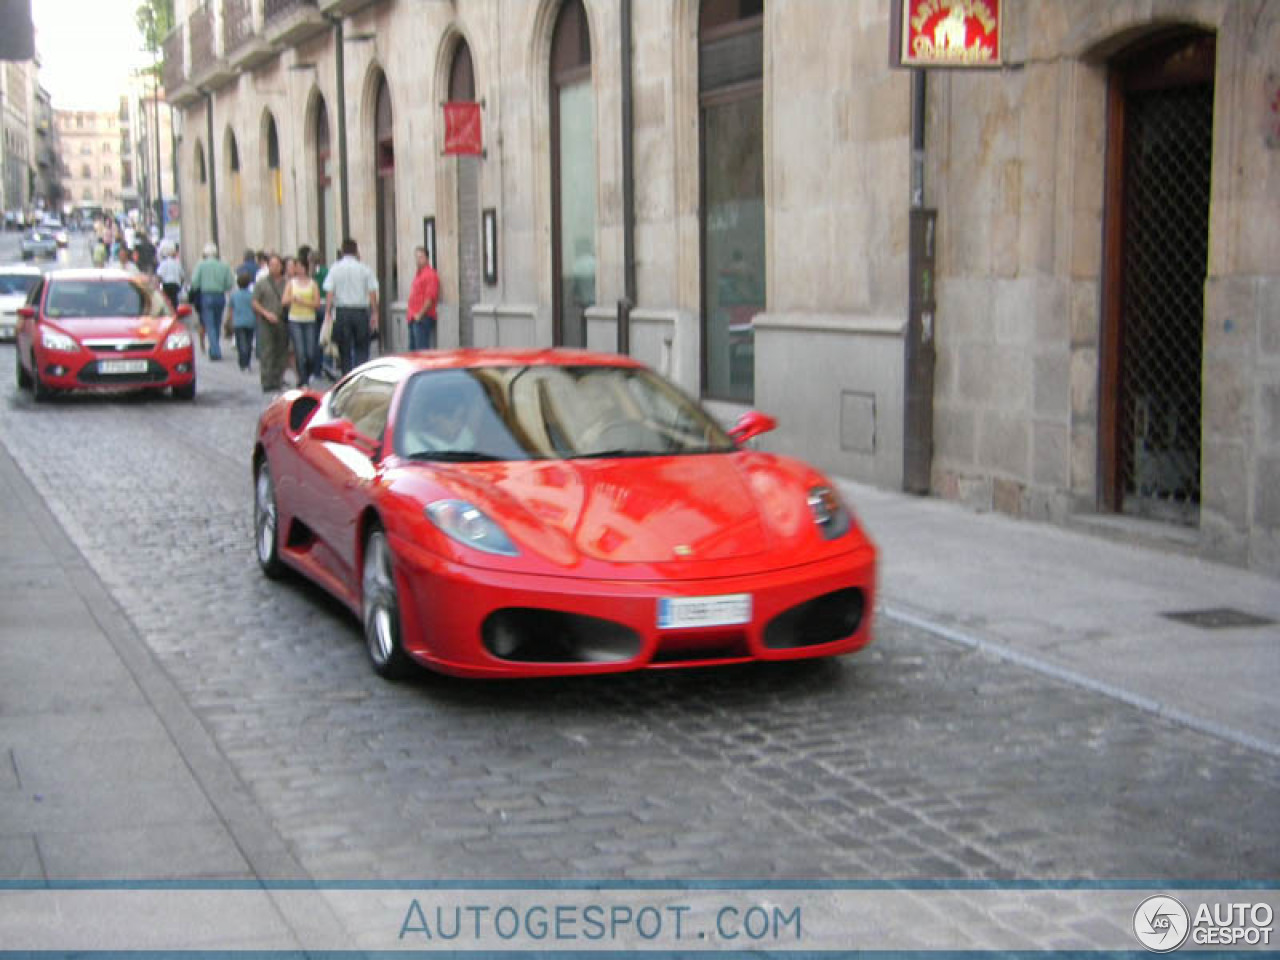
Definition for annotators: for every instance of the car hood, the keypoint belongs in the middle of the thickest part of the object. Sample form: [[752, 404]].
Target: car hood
[[698, 511], [106, 328]]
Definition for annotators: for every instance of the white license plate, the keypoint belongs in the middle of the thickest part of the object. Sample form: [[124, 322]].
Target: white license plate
[[122, 366], [676, 613]]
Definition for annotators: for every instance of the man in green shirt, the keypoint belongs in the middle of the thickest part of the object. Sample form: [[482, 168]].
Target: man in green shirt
[[213, 280], [273, 331]]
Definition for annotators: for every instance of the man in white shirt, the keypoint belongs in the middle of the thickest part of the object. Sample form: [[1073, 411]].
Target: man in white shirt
[[170, 274], [351, 299]]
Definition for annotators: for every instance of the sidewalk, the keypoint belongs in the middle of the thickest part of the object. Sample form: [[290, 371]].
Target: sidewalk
[[105, 772], [1085, 609]]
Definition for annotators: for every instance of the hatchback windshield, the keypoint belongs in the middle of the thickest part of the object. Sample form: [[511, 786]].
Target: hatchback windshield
[[550, 412], [16, 284], [102, 298]]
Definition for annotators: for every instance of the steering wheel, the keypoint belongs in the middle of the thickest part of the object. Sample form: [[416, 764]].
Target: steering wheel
[[596, 434]]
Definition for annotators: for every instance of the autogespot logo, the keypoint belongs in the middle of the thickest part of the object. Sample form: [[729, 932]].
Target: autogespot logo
[[1161, 923]]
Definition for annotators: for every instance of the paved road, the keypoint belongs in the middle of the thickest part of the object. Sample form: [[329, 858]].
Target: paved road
[[917, 758]]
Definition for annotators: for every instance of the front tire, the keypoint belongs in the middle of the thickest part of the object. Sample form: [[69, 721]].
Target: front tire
[[24, 378], [381, 608], [185, 392], [39, 391], [266, 523]]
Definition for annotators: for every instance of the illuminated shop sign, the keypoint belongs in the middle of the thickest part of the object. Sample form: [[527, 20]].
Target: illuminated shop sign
[[948, 33]]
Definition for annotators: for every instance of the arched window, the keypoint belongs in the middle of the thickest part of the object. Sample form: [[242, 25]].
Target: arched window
[[200, 170], [85, 171], [324, 183], [385, 199], [233, 153], [731, 100], [462, 88], [573, 174]]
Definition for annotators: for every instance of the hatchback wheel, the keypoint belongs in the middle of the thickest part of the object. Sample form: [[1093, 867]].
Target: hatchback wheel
[[24, 378], [381, 605], [266, 523], [38, 389]]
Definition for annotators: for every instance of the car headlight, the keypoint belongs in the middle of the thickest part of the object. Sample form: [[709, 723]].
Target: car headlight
[[829, 512], [469, 525], [53, 340], [178, 340]]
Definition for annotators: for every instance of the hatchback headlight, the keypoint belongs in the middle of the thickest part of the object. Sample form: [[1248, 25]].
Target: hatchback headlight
[[53, 340], [178, 340], [829, 512], [471, 526]]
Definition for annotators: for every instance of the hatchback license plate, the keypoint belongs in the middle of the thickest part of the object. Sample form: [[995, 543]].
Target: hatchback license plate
[[122, 366], [675, 613]]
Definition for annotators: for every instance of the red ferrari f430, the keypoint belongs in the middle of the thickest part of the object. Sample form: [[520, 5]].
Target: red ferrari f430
[[535, 513]]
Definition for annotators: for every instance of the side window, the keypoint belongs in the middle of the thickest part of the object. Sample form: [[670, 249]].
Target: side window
[[365, 400], [33, 298]]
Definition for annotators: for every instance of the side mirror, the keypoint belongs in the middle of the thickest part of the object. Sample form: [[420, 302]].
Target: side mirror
[[751, 424], [184, 310], [27, 313], [344, 432]]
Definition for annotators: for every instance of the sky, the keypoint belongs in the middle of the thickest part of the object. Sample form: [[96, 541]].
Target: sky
[[88, 49]]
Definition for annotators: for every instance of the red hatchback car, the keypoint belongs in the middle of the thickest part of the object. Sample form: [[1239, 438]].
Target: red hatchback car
[[99, 329], [532, 513]]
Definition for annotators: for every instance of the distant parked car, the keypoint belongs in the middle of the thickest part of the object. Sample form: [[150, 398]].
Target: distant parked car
[[96, 329], [15, 284], [55, 226], [38, 242]]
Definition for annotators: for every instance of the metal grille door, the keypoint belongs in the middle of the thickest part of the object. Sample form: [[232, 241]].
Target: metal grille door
[[1168, 147]]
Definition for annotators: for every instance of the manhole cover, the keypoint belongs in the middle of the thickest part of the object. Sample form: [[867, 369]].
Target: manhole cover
[[1218, 618]]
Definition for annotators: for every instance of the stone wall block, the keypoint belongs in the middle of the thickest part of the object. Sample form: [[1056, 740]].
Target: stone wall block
[[1051, 454], [1086, 315], [1084, 385], [1269, 318], [1051, 386], [1230, 315], [1004, 445], [1266, 504], [1226, 400], [1224, 482], [1084, 463], [1269, 419], [954, 436]]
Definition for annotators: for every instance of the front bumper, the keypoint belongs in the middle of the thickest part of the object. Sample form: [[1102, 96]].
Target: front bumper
[[86, 369], [445, 608]]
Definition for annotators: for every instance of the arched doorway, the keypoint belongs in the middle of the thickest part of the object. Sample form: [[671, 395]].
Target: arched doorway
[[234, 237], [272, 187], [326, 234], [462, 88], [731, 134], [384, 161], [573, 175], [1155, 260]]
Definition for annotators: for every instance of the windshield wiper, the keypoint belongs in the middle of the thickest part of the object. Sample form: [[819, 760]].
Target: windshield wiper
[[617, 453], [456, 456]]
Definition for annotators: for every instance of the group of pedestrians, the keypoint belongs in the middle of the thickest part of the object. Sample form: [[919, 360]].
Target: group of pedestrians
[[271, 304]]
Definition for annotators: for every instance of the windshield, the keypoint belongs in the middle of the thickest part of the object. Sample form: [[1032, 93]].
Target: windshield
[[102, 298], [16, 284], [549, 412]]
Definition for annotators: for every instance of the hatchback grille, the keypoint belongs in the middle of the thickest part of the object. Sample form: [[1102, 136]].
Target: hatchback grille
[[119, 346]]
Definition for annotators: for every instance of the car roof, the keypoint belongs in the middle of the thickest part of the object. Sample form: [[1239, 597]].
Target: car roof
[[508, 357]]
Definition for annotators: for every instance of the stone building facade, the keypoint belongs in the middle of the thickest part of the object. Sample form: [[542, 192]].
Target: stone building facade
[[91, 157], [1107, 320]]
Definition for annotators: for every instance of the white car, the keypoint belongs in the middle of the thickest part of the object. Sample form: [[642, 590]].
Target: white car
[[15, 284]]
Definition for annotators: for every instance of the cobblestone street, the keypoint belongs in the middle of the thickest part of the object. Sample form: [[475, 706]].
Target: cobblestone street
[[915, 759]]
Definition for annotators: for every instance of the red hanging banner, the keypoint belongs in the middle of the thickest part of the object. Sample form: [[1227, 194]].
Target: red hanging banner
[[463, 130], [949, 33]]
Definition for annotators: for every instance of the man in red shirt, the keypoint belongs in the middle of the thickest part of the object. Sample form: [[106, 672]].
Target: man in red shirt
[[422, 303]]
